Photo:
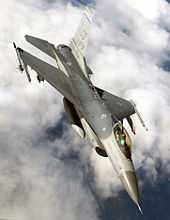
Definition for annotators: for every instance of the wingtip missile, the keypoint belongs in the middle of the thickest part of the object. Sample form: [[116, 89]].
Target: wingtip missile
[[22, 66], [27, 73], [139, 115]]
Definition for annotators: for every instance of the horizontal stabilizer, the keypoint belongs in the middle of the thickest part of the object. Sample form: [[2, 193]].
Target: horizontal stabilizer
[[42, 45]]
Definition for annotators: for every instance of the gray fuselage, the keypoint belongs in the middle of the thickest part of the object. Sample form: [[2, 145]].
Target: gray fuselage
[[93, 109], [87, 100]]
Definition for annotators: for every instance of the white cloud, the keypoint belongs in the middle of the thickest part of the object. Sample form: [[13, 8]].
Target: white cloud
[[131, 48], [127, 44], [35, 184]]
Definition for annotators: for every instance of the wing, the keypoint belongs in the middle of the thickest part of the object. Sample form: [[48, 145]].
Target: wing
[[120, 108], [79, 42], [48, 72]]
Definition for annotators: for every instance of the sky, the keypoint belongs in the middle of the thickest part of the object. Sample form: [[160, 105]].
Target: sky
[[46, 171]]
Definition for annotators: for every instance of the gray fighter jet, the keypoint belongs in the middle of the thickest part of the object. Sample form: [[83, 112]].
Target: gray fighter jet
[[93, 113]]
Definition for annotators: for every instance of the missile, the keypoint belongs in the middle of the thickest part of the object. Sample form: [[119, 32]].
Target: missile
[[129, 120], [27, 73], [19, 58], [139, 115], [22, 66]]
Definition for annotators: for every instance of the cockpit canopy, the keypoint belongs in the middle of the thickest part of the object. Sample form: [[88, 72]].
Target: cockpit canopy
[[64, 50], [63, 47], [123, 139]]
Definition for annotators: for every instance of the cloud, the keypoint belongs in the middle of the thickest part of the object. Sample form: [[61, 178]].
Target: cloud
[[131, 45], [38, 177], [36, 182]]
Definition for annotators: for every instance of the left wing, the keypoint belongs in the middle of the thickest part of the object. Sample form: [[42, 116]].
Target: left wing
[[54, 76]]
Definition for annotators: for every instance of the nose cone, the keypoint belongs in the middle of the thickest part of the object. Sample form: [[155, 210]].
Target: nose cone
[[129, 181]]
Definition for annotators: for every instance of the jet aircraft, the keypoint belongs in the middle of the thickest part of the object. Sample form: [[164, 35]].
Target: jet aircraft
[[93, 113]]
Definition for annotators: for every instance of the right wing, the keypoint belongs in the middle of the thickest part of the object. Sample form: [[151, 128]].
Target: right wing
[[119, 107], [54, 76]]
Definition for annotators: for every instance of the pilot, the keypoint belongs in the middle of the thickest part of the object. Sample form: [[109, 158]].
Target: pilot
[[120, 135], [125, 145], [117, 132], [123, 139]]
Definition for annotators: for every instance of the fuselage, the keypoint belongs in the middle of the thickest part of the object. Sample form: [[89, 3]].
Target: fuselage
[[93, 110]]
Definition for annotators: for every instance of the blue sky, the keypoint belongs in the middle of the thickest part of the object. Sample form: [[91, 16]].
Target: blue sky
[[83, 1]]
